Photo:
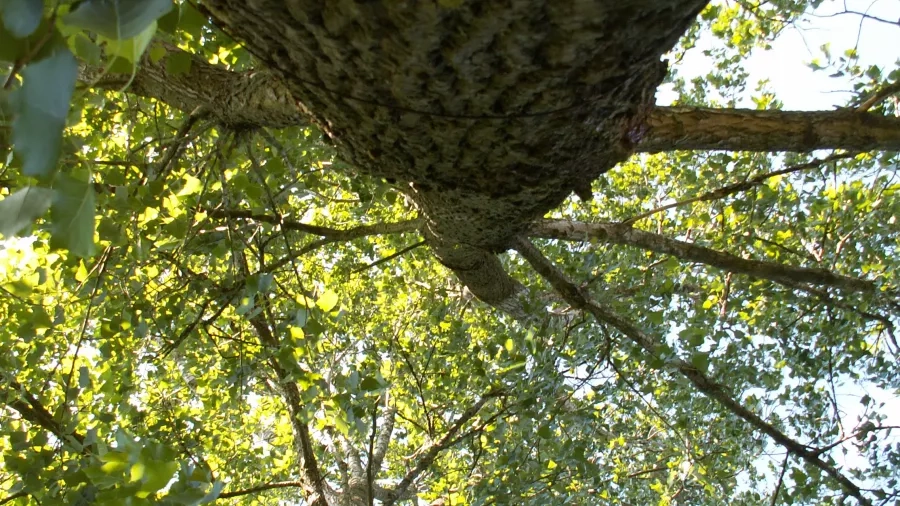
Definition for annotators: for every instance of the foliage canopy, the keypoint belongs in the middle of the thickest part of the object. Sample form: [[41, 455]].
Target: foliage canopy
[[201, 311]]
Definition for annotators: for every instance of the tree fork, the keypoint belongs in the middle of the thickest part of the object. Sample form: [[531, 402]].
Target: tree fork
[[487, 114]]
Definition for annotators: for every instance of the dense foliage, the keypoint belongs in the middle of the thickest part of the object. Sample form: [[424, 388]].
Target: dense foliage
[[185, 298]]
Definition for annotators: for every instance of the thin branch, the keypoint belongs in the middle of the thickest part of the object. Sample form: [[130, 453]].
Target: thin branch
[[261, 488], [389, 257], [428, 456], [780, 483], [32, 410], [336, 235], [198, 321], [173, 152], [862, 15], [731, 189], [615, 233], [314, 484], [577, 298], [13, 497], [326, 232]]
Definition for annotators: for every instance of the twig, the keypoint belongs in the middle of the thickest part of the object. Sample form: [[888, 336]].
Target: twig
[[261, 488], [780, 483], [731, 189], [388, 258]]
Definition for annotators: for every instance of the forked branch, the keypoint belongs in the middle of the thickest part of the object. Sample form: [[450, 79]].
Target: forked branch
[[433, 450], [652, 347]]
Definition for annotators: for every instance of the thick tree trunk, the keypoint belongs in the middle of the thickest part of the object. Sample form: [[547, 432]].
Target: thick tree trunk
[[486, 113]]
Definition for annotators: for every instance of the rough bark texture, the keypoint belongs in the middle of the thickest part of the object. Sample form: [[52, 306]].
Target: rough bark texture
[[486, 113], [671, 128], [255, 99]]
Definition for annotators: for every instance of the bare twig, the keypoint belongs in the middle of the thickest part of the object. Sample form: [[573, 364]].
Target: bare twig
[[261, 488], [389, 257]]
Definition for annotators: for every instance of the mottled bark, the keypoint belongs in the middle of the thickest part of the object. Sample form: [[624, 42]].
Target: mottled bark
[[487, 114], [261, 99], [670, 128]]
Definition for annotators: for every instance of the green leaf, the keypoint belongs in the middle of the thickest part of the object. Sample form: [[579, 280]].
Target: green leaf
[[117, 19], [86, 49], [41, 107], [20, 209], [132, 48], [156, 476], [72, 216], [213, 493], [327, 301], [192, 21], [169, 22], [369, 383], [157, 52], [22, 17]]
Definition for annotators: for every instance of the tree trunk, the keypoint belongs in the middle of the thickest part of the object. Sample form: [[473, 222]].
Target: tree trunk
[[486, 113], [487, 116]]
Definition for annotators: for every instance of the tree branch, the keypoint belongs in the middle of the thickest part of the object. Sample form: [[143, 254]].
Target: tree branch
[[697, 128], [262, 488], [314, 484], [434, 449], [326, 232], [879, 95], [652, 346], [256, 98], [731, 189], [32, 410], [614, 233], [384, 435]]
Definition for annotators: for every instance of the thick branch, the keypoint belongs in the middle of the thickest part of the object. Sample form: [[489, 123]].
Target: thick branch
[[389, 415], [614, 233], [313, 484], [695, 128], [255, 98], [652, 347]]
